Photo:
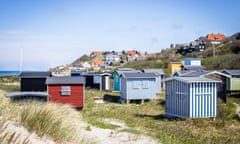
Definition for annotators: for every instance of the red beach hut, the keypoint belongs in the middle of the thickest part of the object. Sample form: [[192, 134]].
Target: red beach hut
[[66, 90]]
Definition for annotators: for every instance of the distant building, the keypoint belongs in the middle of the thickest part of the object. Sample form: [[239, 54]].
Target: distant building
[[95, 53], [96, 63], [215, 37], [111, 59]]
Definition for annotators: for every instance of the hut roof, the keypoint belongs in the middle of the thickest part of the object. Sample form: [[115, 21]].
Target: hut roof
[[35, 74], [232, 72], [65, 80], [138, 75], [193, 79], [155, 71]]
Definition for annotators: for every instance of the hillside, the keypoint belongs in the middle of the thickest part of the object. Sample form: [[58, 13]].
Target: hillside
[[227, 56]]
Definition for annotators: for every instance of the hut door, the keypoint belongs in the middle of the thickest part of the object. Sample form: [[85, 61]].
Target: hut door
[[144, 89]]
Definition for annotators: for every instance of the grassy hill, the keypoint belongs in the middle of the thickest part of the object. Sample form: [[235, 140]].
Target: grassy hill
[[227, 56]]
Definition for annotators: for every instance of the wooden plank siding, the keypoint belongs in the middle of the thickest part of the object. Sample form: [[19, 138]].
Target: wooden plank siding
[[189, 98], [74, 99]]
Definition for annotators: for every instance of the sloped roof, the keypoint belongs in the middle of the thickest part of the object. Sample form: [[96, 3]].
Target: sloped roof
[[35, 74], [232, 72], [193, 79], [213, 37], [97, 62], [155, 71], [65, 80], [196, 68], [132, 71], [198, 73], [138, 75]]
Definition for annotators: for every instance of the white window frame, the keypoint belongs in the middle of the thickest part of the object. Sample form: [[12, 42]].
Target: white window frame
[[65, 90]]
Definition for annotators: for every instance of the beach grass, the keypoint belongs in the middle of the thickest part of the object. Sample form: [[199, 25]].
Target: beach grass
[[149, 118]]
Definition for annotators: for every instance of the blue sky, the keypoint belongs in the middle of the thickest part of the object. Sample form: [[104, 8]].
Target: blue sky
[[54, 32]]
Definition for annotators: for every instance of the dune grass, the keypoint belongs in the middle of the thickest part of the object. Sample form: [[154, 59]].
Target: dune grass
[[60, 122], [19, 122], [149, 118]]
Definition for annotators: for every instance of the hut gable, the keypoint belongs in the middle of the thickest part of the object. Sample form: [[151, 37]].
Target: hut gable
[[191, 97], [234, 80], [233, 73], [66, 90]]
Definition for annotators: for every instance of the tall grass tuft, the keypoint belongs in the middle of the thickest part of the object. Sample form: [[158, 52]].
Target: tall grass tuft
[[60, 122]]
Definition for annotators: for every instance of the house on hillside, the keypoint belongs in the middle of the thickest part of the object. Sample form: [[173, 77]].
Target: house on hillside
[[216, 37], [95, 53], [33, 81], [111, 59], [191, 97], [96, 63], [137, 86], [132, 55], [160, 76], [66, 90]]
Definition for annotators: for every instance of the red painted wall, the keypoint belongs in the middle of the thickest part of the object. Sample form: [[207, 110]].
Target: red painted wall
[[76, 98]]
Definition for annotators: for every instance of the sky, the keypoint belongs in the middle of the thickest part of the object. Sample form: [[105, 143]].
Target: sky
[[42, 34]]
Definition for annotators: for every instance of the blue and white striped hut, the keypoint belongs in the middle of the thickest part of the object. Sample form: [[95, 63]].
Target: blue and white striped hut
[[191, 97]]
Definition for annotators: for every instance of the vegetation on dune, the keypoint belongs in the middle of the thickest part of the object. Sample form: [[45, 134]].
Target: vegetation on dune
[[57, 121], [227, 61], [149, 118], [61, 123]]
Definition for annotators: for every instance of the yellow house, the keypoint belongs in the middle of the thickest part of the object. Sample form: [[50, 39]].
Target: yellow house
[[175, 66]]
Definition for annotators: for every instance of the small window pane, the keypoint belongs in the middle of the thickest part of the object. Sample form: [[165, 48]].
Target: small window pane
[[145, 85], [96, 79], [65, 90], [136, 84]]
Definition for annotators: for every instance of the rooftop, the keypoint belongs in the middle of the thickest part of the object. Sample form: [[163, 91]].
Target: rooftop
[[65, 80], [138, 75], [193, 79], [35, 74]]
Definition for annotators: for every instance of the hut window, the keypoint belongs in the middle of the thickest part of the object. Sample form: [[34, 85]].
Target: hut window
[[65, 90], [136, 84], [96, 79], [145, 84]]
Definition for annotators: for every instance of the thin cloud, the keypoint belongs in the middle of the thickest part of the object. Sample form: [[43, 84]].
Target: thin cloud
[[154, 40], [15, 32], [177, 27]]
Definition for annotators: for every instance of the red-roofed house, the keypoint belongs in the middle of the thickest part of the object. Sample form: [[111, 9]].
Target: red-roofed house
[[216, 37], [132, 53], [96, 63]]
